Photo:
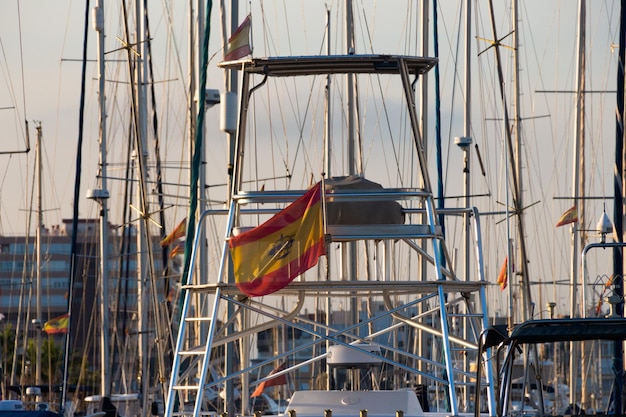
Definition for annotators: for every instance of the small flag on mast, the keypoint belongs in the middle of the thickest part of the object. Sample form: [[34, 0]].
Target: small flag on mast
[[570, 216], [504, 273], [57, 325], [239, 42], [179, 249], [178, 232]]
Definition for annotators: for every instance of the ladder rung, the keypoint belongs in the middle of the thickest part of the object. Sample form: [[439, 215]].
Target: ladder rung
[[198, 350], [190, 413], [461, 349], [190, 387], [465, 384], [197, 319]]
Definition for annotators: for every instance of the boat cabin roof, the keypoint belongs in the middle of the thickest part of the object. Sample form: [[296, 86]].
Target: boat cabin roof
[[558, 330], [350, 403], [289, 66]]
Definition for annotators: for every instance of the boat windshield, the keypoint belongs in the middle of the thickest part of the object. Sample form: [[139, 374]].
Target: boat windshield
[[561, 367]]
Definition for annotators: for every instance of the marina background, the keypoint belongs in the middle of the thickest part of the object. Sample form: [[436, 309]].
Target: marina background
[[41, 47]]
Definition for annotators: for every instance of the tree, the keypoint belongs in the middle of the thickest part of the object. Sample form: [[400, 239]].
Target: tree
[[51, 360]]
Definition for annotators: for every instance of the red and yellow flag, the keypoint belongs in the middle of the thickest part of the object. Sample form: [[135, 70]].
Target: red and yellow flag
[[57, 325], [179, 249], [570, 216], [278, 380], [503, 275], [239, 42], [270, 256], [178, 232]]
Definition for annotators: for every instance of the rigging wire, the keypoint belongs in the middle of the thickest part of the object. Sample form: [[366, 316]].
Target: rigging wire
[[123, 294], [19, 23], [165, 346], [10, 89]]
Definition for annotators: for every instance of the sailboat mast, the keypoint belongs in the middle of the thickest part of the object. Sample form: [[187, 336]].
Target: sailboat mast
[[466, 146], [618, 213], [351, 153], [202, 193], [349, 267], [38, 237], [517, 164], [143, 245], [579, 142], [467, 138], [527, 302], [231, 94], [105, 358], [327, 121], [576, 187], [516, 190]]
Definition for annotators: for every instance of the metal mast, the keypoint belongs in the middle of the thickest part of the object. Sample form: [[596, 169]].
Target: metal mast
[[38, 237], [101, 195]]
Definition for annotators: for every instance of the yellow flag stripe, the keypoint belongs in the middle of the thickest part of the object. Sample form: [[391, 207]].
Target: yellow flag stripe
[[239, 43], [274, 251]]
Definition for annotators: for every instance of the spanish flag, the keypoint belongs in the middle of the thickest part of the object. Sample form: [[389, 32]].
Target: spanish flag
[[277, 380], [239, 42], [570, 216], [57, 325], [179, 249], [270, 256], [503, 275], [178, 232]]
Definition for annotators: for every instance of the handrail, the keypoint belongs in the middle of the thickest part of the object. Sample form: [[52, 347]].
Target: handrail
[[586, 249]]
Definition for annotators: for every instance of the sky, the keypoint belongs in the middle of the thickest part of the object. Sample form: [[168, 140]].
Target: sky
[[40, 70]]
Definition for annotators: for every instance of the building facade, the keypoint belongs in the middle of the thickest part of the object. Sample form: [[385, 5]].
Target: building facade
[[23, 264]]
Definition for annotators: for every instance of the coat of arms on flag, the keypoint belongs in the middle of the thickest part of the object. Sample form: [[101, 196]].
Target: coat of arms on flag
[[268, 257]]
